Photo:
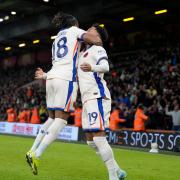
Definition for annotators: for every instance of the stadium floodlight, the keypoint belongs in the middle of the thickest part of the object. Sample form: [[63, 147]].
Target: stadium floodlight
[[13, 12], [46, 0], [36, 41], [22, 45], [53, 37], [101, 25], [160, 11], [7, 48], [6, 18], [1, 20], [128, 19]]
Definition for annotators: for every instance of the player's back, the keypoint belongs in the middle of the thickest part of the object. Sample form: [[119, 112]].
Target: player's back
[[64, 54]]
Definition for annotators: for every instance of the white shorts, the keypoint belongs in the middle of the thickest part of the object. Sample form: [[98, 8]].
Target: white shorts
[[95, 115], [60, 94]]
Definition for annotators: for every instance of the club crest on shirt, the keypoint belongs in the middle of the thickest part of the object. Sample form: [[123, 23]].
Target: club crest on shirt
[[86, 54]]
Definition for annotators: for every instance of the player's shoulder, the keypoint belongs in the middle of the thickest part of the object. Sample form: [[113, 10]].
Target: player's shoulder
[[75, 29], [70, 30], [99, 49]]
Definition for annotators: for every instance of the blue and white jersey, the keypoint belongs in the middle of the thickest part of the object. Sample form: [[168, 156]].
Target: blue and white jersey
[[92, 84], [65, 53]]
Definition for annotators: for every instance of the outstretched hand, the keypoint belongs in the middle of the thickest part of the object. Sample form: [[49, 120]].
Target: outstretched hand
[[39, 73]]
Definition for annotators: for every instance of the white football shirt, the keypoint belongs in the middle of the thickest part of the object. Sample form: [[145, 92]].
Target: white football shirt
[[65, 53], [92, 84]]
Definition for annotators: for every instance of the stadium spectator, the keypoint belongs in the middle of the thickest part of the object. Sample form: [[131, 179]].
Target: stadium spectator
[[175, 114], [115, 120], [22, 117], [77, 114], [35, 119], [140, 118], [28, 114], [11, 115]]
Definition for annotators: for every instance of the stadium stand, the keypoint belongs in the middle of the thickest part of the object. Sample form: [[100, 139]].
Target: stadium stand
[[15, 92], [149, 77]]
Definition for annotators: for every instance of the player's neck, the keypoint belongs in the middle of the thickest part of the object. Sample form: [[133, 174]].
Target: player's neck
[[87, 47]]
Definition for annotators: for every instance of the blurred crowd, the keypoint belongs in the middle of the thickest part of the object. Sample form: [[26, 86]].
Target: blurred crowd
[[20, 101], [150, 78], [145, 82]]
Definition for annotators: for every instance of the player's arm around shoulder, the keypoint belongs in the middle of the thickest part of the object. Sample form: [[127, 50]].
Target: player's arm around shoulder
[[92, 39], [87, 37]]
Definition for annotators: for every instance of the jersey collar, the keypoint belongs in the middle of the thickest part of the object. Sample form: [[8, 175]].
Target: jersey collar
[[87, 47]]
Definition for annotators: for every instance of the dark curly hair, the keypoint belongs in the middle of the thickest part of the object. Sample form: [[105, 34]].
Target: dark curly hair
[[102, 31], [62, 20]]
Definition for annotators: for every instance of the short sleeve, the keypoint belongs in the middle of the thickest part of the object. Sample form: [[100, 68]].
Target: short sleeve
[[100, 55], [79, 33]]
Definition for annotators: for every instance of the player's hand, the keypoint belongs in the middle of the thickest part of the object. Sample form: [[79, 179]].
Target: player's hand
[[86, 67], [39, 73]]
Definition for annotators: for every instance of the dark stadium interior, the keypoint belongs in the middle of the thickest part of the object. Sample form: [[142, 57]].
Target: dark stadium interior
[[144, 54], [36, 16]]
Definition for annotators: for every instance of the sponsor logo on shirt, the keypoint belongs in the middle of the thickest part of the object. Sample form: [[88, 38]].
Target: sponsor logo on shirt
[[100, 52]]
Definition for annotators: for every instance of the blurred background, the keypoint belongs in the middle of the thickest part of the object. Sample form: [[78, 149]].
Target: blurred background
[[143, 50]]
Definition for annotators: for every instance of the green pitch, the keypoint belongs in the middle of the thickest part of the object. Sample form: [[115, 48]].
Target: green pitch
[[65, 161]]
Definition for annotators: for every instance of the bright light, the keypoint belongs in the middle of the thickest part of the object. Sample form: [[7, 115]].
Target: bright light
[[1, 20], [13, 12], [46, 0], [101, 25], [53, 37], [22, 45], [7, 48], [6, 18], [36, 41], [160, 11], [128, 19]]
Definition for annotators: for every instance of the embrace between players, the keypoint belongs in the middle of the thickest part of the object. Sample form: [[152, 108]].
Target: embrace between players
[[71, 69]]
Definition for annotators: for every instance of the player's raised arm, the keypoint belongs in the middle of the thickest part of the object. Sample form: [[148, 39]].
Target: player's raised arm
[[87, 37]]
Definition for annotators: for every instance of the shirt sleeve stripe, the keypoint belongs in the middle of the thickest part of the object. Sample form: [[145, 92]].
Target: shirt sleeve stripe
[[102, 58]]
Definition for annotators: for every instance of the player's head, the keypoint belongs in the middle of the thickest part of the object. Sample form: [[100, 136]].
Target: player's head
[[62, 20], [100, 30]]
